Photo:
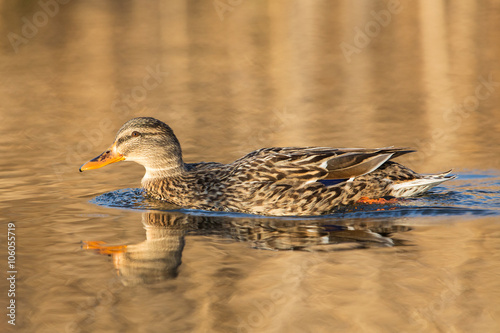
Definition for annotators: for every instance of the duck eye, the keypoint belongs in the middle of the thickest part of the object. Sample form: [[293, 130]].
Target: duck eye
[[135, 134]]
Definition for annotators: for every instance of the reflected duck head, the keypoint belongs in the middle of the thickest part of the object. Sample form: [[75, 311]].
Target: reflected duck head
[[146, 141]]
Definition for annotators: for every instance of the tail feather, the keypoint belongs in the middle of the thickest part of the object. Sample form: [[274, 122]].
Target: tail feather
[[418, 186], [442, 175]]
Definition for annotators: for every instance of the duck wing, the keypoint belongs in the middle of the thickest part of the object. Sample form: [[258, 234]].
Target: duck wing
[[356, 162], [311, 163]]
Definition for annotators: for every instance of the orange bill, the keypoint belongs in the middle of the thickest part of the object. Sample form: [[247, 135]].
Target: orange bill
[[102, 248], [108, 157]]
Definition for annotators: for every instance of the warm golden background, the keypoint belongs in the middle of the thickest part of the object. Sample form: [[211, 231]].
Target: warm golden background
[[231, 76]]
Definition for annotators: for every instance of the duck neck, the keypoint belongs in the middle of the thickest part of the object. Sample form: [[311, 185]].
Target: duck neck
[[163, 164], [168, 165], [161, 173], [167, 169]]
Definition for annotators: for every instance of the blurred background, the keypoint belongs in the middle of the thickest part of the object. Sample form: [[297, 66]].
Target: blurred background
[[231, 76], [238, 75]]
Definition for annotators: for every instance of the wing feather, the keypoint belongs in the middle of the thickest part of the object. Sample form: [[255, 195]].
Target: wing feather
[[314, 163]]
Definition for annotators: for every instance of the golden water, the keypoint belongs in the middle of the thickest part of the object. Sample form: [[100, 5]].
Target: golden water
[[230, 77]]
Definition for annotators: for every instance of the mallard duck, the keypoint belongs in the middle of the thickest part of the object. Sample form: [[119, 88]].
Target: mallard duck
[[270, 181]]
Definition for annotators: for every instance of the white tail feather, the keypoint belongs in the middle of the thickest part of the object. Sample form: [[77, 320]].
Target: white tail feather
[[418, 186]]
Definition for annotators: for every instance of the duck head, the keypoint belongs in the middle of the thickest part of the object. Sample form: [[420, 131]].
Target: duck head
[[146, 141]]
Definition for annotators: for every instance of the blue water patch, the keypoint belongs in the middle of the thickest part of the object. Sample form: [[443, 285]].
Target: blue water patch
[[124, 198]]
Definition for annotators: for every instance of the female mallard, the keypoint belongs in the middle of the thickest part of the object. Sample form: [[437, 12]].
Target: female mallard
[[268, 181]]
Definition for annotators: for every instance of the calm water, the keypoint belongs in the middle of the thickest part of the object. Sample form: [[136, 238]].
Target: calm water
[[93, 256]]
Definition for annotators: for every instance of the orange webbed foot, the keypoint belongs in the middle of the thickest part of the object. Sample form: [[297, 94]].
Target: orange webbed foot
[[379, 201]]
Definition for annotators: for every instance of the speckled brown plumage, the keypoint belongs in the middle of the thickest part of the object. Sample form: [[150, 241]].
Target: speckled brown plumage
[[268, 181]]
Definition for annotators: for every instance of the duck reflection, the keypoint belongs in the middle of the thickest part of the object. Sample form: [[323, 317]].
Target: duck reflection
[[159, 256], [155, 259]]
